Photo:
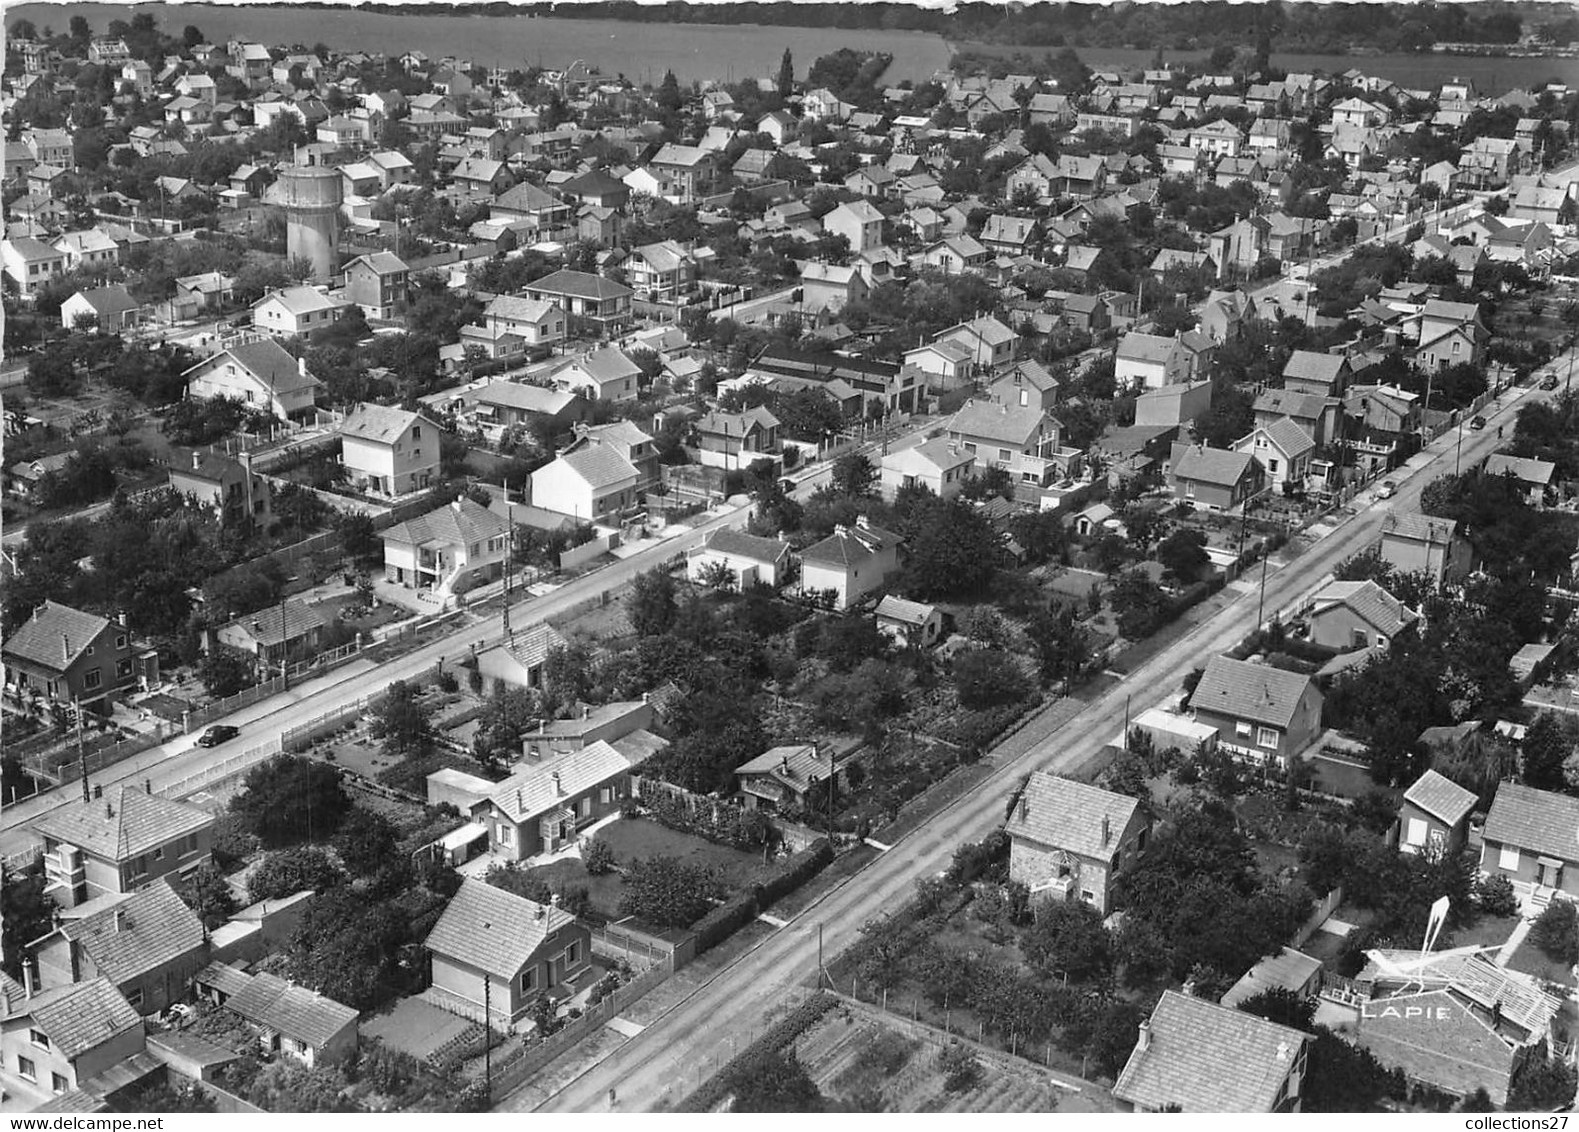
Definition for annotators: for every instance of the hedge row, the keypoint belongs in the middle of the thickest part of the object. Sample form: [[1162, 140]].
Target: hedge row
[[715, 1090], [738, 911]]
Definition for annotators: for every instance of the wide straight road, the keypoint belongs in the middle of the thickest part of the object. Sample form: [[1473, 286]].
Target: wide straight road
[[265, 720], [665, 1060]]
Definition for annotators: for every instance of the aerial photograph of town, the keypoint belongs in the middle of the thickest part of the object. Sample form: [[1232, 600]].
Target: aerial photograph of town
[[619, 558]]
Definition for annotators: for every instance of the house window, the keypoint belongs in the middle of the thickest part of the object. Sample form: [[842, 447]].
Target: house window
[[93, 678], [1416, 833], [135, 998], [188, 845], [1266, 737], [506, 834], [38, 1038], [573, 953], [159, 853], [58, 1084], [1242, 729], [1271, 466], [1189, 489], [88, 651], [528, 980], [1508, 859], [1358, 638], [25, 1068]]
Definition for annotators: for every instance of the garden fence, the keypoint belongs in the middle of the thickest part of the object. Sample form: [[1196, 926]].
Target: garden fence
[[226, 768], [66, 765], [512, 1072]]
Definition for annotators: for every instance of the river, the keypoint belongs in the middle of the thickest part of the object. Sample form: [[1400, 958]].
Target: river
[[640, 51], [705, 51]]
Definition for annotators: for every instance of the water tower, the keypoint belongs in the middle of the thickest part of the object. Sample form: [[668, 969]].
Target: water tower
[[310, 196]]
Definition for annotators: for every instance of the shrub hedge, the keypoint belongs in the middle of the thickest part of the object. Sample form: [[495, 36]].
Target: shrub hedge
[[714, 1090]]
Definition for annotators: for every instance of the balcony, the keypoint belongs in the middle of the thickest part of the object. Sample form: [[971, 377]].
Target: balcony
[[65, 868]]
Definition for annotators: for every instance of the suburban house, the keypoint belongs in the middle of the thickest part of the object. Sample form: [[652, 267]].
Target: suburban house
[[508, 403], [1323, 375], [858, 222], [451, 549], [605, 374], [1315, 414], [1290, 970], [226, 485], [1071, 841], [147, 943], [1284, 450], [948, 365], [300, 1024], [1260, 712], [1169, 406], [1536, 478], [909, 624], [1149, 361], [109, 309], [491, 946], [1529, 838], [603, 302], [799, 776], [1450, 334], [1356, 615], [1193, 1055], [990, 342], [389, 451], [291, 630], [735, 441], [121, 841], [851, 562], [518, 662], [595, 483], [941, 465], [628, 441], [55, 1041], [622, 724], [539, 808], [750, 559], [1434, 814], [261, 373], [830, 287], [63, 654], [1425, 543], [31, 264], [664, 272], [377, 283], [1215, 479], [1021, 441], [296, 310]]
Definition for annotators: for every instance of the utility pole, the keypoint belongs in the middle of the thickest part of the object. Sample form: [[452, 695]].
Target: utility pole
[[487, 1033], [1266, 557], [285, 652], [82, 756], [509, 555]]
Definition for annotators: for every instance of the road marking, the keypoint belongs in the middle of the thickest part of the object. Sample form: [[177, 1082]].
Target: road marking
[[774, 920], [878, 845]]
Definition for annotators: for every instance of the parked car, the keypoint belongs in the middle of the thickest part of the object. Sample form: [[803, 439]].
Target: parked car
[[1386, 490], [217, 734], [1477, 423], [1549, 381]]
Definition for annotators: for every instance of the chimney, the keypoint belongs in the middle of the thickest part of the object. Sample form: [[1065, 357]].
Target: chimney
[[1143, 1038], [520, 803], [558, 789], [197, 459], [65, 649], [1107, 829], [301, 366], [1025, 808], [586, 711], [553, 901], [784, 764], [148, 786], [121, 618], [1283, 1051], [109, 808], [646, 697], [98, 792]]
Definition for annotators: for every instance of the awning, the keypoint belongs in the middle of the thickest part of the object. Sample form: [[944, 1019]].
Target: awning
[[1550, 862], [465, 835]]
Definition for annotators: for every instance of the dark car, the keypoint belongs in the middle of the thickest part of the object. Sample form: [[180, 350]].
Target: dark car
[[1477, 423], [1549, 381], [217, 734]]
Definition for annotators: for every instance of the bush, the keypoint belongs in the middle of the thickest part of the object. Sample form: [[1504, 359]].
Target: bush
[[1556, 932], [724, 921], [716, 1089], [1495, 897], [961, 1071], [795, 871], [597, 857], [293, 870]]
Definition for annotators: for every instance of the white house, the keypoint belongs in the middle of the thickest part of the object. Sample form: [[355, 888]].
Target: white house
[[389, 451], [296, 310], [850, 563], [594, 483], [940, 465], [1284, 450], [260, 373], [750, 559]]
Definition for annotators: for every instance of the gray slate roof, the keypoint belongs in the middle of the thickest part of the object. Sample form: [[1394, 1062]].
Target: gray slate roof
[[39, 638], [493, 930], [1065, 814], [1255, 692], [123, 824], [1538, 821], [149, 928], [1441, 797], [82, 1016], [294, 1011], [1205, 1057]]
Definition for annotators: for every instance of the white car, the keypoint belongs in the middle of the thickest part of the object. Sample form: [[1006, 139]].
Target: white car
[[1386, 490]]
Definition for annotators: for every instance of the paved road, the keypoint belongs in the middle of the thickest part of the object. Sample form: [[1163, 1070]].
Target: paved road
[[664, 1062], [265, 720]]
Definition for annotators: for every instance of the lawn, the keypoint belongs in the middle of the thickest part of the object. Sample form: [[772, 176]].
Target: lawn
[[632, 838], [604, 891], [1486, 931], [415, 1026], [1533, 961]]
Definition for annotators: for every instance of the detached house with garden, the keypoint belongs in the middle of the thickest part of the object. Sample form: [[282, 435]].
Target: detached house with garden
[[1529, 837], [539, 808], [1261, 713], [1071, 841], [495, 948]]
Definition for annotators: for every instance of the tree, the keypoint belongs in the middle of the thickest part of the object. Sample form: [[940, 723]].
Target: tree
[[1341, 1077], [352, 949], [206, 891], [651, 606], [25, 913], [291, 871], [358, 537], [667, 892], [1068, 938], [366, 842], [1062, 648], [1556, 932], [1545, 748], [225, 672], [597, 857], [953, 550], [985, 678], [1282, 1006], [1541, 1084], [717, 576], [772, 1081], [289, 799], [507, 715], [854, 475], [786, 83], [1184, 553], [961, 1071], [403, 722], [1139, 605]]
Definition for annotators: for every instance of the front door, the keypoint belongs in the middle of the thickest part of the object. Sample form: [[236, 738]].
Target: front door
[[551, 969], [1548, 875]]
